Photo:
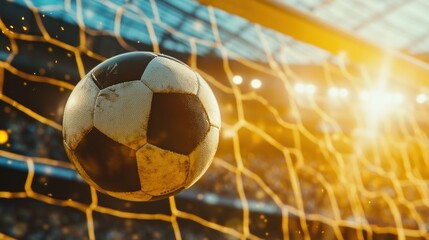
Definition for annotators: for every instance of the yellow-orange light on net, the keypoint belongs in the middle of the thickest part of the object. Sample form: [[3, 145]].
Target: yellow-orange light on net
[[237, 79], [256, 83], [4, 136]]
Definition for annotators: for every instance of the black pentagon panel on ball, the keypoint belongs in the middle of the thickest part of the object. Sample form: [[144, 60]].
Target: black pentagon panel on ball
[[111, 165], [122, 68], [177, 122]]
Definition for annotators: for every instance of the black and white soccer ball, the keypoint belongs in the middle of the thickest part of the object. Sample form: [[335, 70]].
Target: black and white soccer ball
[[141, 126]]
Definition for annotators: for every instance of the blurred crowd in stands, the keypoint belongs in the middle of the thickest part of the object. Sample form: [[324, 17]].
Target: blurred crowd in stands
[[29, 137]]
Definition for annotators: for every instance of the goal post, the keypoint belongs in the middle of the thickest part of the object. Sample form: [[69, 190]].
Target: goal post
[[306, 28]]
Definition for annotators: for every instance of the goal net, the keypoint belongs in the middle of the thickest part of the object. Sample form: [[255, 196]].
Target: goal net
[[312, 145]]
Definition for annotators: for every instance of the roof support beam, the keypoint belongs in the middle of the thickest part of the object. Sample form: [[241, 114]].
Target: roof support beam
[[306, 28]]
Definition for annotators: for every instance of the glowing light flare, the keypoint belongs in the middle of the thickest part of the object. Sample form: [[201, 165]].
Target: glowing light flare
[[338, 92], [198, 26], [421, 98], [380, 97], [344, 92], [378, 103], [310, 88], [237, 79], [4, 136], [256, 83], [305, 88], [299, 88], [397, 97], [364, 96], [333, 92], [228, 133]]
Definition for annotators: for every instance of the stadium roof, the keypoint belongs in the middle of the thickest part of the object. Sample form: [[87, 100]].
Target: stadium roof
[[375, 54], [399, 24], [173, 22]]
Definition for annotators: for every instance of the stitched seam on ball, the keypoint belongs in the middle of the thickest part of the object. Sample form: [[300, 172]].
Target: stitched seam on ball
[[74, 163], [141, 77], [137, 161], [97, 83], [141, 80], [198, 82], [92, 120], [93, 110], [204, 138], [199, 99], [187, 170]]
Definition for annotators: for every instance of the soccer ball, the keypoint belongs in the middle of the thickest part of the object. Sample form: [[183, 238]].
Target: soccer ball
[[141, 126]]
